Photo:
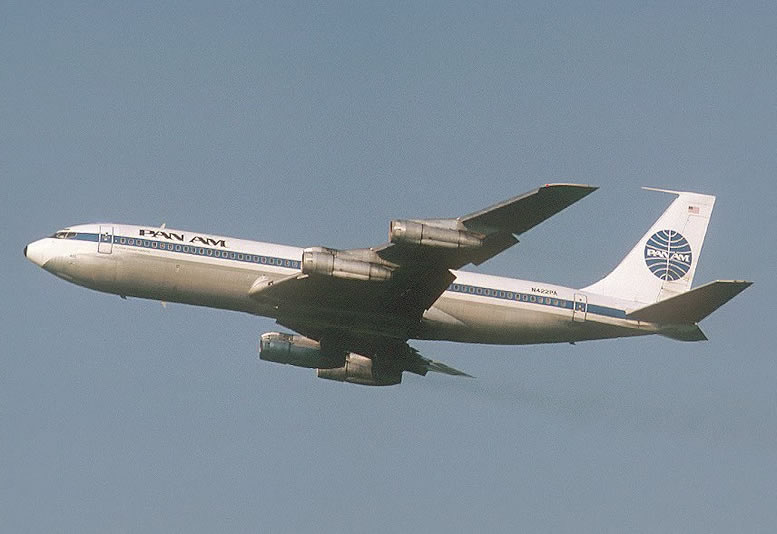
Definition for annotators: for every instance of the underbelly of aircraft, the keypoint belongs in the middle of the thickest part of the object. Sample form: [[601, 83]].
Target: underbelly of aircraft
[[451, 318], [168, 279]]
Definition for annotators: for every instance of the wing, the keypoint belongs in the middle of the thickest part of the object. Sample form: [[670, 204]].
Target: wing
[[413, 270], [371, 301], [496, 226]]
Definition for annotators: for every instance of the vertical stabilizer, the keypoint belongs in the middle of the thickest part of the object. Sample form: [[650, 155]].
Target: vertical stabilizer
[[663, 262]]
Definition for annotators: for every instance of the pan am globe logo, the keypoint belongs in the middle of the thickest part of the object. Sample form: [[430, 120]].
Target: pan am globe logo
[[668, 255]]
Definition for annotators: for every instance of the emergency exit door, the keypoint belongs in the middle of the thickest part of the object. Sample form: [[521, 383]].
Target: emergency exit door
[[580, 308]]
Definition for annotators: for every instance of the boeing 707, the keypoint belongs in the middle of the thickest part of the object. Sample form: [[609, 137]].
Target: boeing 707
[[353, 311]]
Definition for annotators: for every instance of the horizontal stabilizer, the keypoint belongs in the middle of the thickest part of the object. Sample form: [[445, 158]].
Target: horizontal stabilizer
[[692, 306], [683, 333]]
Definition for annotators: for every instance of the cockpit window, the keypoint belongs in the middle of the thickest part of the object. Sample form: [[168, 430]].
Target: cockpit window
[[64, 235]]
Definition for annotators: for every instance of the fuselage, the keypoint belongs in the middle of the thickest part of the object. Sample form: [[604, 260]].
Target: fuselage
[[215, 271]]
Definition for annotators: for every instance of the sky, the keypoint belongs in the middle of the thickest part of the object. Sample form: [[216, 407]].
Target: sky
[[316, 124]]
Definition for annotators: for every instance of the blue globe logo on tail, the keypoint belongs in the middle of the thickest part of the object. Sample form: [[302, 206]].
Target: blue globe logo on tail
[[668, 255]]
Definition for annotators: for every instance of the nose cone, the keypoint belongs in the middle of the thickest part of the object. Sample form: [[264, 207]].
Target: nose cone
[[36, 252]]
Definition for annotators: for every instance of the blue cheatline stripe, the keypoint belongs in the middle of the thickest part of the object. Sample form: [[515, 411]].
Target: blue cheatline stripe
[[553, 302], [84, 237], [192, 250], [181, 248]]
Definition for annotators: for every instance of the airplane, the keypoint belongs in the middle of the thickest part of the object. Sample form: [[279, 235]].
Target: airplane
[[352, 312]]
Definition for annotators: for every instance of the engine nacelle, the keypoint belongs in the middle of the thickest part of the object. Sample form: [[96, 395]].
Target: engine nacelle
[[420, 234], [297, 350], [360, 370], [334, 263]]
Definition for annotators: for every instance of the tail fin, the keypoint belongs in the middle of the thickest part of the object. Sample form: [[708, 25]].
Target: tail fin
[[663, 262]]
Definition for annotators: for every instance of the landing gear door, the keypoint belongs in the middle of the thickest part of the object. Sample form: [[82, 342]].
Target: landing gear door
[[105, 240], [580, 309]]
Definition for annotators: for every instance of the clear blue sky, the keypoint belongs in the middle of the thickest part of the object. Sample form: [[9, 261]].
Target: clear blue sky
[[315, 125]]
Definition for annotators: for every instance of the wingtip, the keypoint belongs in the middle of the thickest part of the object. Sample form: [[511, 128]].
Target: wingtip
[[439, 367], [579, 186]]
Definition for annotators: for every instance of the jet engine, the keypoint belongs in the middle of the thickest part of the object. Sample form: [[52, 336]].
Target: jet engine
[[300, 351], [339, 265], [297, 350], [361, 370], [421, 234]]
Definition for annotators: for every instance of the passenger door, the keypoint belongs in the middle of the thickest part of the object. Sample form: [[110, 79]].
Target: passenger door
[[105, 240]]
